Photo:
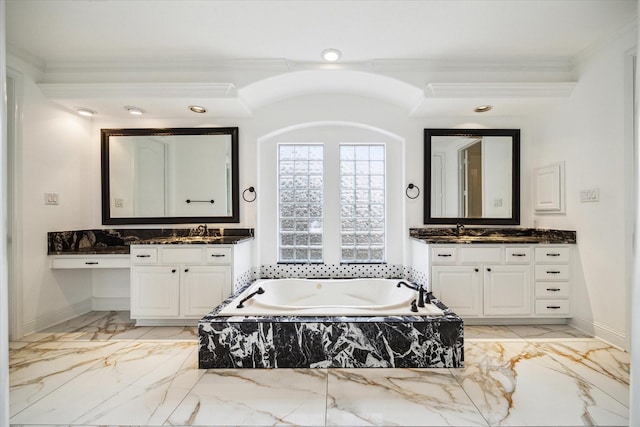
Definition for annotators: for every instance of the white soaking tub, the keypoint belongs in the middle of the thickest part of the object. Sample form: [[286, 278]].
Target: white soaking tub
[[328, 297]]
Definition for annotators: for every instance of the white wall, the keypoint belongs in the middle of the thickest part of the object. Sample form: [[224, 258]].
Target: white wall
[[55, 144], [4, 232], [588, 132]]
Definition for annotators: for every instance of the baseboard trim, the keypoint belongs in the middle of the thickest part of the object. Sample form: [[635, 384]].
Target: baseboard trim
[[110, 304], [514, 321], [167, 322], [56, 317], [600, 331]]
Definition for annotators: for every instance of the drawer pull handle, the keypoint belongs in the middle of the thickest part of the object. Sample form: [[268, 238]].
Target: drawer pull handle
[[553, 289], [218, 255], [444, 255], [143, 256], [186, 270], [173, 270], [553, 254], [554, 307], [91, 262], [553, 272], [476, 270], [518, 254], [488, 269]]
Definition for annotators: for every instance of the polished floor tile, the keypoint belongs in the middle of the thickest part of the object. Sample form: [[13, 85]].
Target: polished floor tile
[[400, 397], [101, 370], [519, 383], [256, 397]]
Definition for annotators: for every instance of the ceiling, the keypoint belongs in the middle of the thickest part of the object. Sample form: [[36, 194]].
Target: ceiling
[[237, 56]]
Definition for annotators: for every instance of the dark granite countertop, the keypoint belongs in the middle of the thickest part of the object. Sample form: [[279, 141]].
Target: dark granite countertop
[[118, 241], [492, 235], [206, 240]]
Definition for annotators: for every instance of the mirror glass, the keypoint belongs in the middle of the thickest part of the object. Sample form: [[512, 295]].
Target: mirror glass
[[472, 176], [173, 175]]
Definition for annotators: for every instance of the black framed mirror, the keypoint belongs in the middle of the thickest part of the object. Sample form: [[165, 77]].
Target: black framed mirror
[[472, 176], [170, 175]]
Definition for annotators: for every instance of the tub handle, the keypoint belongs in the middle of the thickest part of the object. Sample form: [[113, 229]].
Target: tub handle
[[248, 297]]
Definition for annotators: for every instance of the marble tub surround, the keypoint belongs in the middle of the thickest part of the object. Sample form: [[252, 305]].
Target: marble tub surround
[[117, 241], [522, 379], [330, 341], [470, 235]]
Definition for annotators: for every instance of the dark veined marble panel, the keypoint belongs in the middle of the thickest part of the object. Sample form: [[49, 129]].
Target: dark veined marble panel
[[331, 341]]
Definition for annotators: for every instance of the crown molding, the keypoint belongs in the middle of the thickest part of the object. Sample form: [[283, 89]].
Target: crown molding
[[500, 90], [151, 90], [182, 66], [476, 64]]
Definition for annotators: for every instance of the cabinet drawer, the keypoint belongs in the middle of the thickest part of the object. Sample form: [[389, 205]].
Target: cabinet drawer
[[552, 290], [517, 255], [218, 256], [144, 255], [552, 272], [550, 306], [104, 261], [444, 255], [183, 255], [487, 254], [552, 254]]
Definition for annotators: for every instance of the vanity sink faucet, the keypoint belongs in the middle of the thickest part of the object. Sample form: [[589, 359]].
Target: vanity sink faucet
[[202, 230]]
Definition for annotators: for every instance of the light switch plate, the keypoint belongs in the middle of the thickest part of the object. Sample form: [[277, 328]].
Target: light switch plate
[[51, 198], [590, 195]]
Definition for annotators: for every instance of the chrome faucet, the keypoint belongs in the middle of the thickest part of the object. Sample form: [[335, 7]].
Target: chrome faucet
[[459, 229]]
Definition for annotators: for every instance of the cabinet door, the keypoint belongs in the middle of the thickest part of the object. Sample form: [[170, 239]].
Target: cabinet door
[[203, 289], [507, 290], [459, 288], [155, 292]]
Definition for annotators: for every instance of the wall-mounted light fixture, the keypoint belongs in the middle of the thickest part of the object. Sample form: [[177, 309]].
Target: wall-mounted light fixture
[[331, 55], [85, 111]]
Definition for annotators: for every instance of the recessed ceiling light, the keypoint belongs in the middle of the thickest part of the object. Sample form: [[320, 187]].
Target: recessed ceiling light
[[85, 111], [134, 110], [483, 108], [197, 109], [331, 55]]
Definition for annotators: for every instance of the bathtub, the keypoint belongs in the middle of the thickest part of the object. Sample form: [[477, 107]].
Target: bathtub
[[327, 297]]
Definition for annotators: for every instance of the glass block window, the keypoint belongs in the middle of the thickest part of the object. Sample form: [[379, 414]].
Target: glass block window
[[362, 203], [300, 209]]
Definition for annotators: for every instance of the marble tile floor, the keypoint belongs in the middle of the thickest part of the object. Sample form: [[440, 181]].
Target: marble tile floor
[[100, 370]]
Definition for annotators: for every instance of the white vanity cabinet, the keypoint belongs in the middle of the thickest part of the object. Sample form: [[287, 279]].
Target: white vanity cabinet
[[487, 280], [178, 282]]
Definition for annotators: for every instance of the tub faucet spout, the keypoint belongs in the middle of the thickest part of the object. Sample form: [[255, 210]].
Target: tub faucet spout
[[402, 282]]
